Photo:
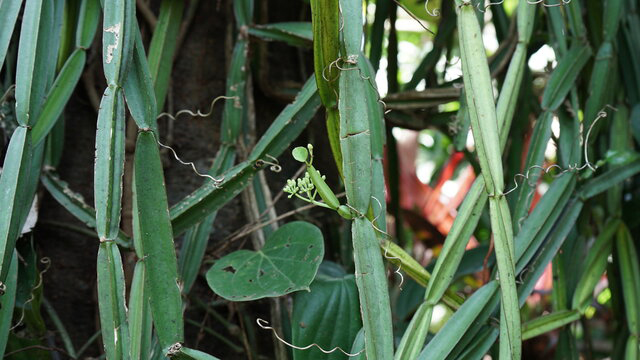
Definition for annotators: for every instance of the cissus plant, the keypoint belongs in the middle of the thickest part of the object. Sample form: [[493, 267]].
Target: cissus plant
[[549, 194]]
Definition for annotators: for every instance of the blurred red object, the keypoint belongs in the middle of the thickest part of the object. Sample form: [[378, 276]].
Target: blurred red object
[[419, 201]]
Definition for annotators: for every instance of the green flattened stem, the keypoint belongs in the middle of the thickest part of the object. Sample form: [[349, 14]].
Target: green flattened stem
[[600, 85], [455, 328], [355, 137], [546, 323], [9, 11], [7, 302], [371, 280], [595, 265], [29, 78], [535, 157], [323, 189], [75, 204], [112, 305], [397, 256], [612, 14], [466, 220], [195, 241], [611, 178], [294, 33], [139, 315], [333, 132], [162, 47], [413, 338], [194, 245], [576, 24], [542, 219], [236, 86], [630, 274], [284, 129], [325, 19], [564, 76], [109, 164], [59, 95], [484, 126], [138, 89], [88, 19], [190, 354], [355, 144], [377, 128], [325, 22], [469, 214], [14, 194], [355, 141], [476, 199], [156, 239], [632, 350], [118, 36], [479, 92]]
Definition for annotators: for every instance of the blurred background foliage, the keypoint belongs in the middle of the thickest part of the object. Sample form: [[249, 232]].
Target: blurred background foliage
[[429, 161]]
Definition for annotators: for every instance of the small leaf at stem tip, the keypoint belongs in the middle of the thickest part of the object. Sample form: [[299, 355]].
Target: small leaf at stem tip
[[300, 154]]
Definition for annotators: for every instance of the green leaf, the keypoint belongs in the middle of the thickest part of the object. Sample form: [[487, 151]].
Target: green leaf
[[327, 315], [288, 262], [152, 217], [300, 153]]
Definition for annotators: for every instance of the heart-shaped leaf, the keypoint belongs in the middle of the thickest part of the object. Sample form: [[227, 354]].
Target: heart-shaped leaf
[[328, 315], [300, 154], [288, 262]]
